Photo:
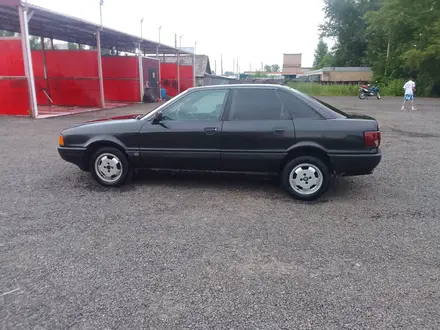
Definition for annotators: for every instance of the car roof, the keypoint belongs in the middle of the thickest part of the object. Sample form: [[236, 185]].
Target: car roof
[[233, 86], [323, 108]]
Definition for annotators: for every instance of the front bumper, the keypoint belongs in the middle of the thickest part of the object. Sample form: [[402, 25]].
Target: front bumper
[[360, 164], [75, 156]]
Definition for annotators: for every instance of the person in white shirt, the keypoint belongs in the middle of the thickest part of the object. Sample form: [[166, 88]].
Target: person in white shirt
[[409, 88]]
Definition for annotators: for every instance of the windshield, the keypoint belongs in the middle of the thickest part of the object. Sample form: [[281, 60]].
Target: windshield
[[150, 115]]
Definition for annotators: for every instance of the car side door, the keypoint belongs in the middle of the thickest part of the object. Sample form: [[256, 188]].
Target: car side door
[[257, 131], [309, 124], [187, 136]]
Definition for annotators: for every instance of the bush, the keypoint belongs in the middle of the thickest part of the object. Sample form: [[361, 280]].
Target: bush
[[393, 87], [387, 88]]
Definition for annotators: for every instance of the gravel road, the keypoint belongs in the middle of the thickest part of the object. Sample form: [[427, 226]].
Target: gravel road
[[221, 252]]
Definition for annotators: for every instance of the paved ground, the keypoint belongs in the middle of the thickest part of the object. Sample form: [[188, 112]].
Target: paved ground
[[221, 252]]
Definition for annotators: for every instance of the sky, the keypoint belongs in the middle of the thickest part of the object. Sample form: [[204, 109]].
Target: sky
[[250, 31]]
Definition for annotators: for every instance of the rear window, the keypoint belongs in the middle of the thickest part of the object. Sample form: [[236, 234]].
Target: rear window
[[297, 108], [324, 108], [342, 113]]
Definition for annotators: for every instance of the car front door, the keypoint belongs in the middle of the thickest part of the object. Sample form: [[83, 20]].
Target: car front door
[[257, 131], [188, 135]]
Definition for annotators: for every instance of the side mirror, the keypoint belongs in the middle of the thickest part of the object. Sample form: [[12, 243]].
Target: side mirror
[[157, 118]]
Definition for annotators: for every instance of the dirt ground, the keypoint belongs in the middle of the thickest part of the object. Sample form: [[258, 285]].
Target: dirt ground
[[221, 252]]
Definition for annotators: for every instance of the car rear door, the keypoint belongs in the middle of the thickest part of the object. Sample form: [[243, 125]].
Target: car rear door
[[309, 124], [188, 137], [256, 132]]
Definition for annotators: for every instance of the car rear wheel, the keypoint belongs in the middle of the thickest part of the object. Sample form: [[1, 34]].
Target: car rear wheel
[[110, 167], [305, 178]]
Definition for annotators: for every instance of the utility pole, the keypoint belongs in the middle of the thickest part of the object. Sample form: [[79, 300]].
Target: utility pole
[[233, 66], [238, 70], [142, 21], [157, 48], [194, 64], [101, 3], [388, 48], [178, 65], [388, 54], [160, 28]]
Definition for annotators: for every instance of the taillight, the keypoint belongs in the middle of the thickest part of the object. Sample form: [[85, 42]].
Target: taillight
[[372, 139]]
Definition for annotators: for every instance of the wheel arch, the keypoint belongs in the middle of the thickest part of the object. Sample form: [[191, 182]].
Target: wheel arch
[[307, 149], [98, 143]]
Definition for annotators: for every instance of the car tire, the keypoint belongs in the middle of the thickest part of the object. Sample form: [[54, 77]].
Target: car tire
[[110, 167], [306, 178]]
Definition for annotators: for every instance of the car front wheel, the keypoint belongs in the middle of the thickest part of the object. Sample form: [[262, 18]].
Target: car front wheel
[[110, 167], [305, 178]]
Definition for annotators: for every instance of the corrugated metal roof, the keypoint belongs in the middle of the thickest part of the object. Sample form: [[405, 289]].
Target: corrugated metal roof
[[49, 24]]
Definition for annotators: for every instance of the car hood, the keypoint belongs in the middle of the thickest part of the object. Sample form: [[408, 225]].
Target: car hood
[[101, 120], [113, 118]]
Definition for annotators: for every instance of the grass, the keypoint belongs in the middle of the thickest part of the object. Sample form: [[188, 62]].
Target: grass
[[316, 89], [393, 88]]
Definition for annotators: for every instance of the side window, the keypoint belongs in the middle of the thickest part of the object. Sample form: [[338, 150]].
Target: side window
[[198, 105], [298, 109], [255, 104]]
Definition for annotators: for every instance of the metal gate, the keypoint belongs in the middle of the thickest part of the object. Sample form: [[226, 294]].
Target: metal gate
[[151, 74]]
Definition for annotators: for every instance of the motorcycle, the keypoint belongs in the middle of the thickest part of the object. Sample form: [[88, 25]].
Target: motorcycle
[[367, 90]]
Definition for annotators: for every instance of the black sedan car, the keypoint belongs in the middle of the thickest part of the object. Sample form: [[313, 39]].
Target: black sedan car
[[266, 129]]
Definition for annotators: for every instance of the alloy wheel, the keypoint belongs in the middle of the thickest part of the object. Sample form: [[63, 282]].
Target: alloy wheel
[[108, 167], [306, 179]]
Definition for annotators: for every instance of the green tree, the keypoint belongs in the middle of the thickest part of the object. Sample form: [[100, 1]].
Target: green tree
[[267, 68], [35, 43], [345, 22], [405, 41], [321, 54], [4, 33], [105, 51], [275, 68], [328, 60], [259, 74], [72, 46]]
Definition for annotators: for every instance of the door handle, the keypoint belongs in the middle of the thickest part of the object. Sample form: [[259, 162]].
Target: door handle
[[278, 131], [211, 130]]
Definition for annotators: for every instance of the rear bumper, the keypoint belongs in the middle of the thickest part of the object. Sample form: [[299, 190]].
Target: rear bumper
[[74, 155], [349, 165]]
